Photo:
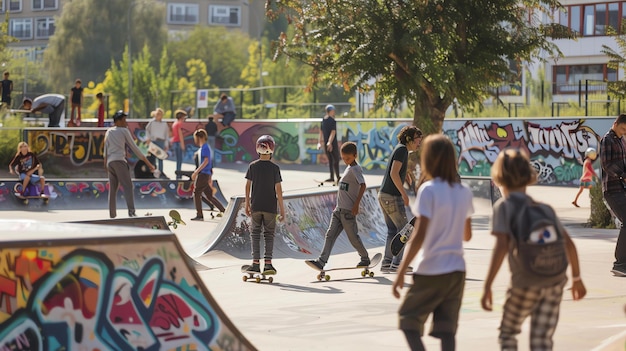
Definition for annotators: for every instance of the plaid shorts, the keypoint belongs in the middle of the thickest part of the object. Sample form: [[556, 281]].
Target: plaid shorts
[[542, 305]]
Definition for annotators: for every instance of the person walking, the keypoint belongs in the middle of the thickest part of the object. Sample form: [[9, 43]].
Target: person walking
[[264, 199], [444, 208], [328, 135], [529, 294], [613, 161], [351, 189], [589, 176], [178, 140], [202, 176], [158, 132], [392, 196], [116, 139]]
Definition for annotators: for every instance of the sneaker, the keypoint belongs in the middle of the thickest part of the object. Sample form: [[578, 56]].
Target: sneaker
[[618, 272], [315, 264], [254, 268], [329, 180], [269, 269], [385, 267], [132, 214], [364, 263], [197, 218]]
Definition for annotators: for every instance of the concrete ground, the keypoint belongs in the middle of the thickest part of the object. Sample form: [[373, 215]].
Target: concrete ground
[[348, 312]]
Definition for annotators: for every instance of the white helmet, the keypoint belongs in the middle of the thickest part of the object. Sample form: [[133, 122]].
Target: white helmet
[[591, 153], [265, 145]]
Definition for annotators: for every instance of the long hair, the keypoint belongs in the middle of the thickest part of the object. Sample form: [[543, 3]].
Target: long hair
[[19, 146], [512, 169], [438, 159]]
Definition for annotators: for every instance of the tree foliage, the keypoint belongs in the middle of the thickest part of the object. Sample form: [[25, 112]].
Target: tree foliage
[[91, 33], [427, 53], [617, 61]]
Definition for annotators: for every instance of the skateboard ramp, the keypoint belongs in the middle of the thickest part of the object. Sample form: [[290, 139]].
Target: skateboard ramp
[[89, 194], [68, 286], [301, 234]]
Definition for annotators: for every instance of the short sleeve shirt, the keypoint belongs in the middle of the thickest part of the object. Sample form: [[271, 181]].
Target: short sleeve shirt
[[349, 186], [205, 152], [264, 174], [328, 125], [400, 154]]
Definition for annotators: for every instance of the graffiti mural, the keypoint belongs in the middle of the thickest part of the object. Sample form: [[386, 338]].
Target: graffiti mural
[[556, 146], [107, 297]]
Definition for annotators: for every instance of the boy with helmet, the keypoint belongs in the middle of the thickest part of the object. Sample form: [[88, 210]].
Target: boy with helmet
[[587, 180], [264, 199]]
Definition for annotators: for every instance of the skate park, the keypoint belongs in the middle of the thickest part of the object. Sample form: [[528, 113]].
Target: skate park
[[297, 312]]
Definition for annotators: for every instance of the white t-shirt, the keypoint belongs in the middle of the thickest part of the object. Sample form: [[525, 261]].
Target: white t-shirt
[[447, 208]]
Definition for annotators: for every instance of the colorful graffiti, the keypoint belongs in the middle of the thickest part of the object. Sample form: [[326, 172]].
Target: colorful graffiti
[[106, 297], [555, 145]]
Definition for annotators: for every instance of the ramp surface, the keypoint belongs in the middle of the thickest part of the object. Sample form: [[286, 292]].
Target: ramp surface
[[67, 286], [301, 234], [73, 194]]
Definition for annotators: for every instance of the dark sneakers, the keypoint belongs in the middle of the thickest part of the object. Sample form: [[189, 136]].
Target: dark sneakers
[[618, 272], [269, 269], [254, 268], [315, 264], [197, 218], [364, 263]]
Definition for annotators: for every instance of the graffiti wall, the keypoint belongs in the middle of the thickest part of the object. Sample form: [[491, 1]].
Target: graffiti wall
[[556, 145], [107, 295]]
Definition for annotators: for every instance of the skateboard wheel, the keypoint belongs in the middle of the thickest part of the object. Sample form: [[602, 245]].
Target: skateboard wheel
[[270, 279], [327, 277], [245, 278], [371, 274], [258, 279], [363, 273], [403, 239], [319, 277], [26, 202]]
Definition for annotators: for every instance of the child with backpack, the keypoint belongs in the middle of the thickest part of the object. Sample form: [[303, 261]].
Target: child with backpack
[[444, 207], [539, 250]]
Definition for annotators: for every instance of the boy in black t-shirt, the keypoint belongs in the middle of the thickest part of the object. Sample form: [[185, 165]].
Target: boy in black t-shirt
[[264, 194]]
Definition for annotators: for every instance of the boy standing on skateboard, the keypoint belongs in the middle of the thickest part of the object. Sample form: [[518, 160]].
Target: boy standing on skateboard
[[349, 194], [264, 194]]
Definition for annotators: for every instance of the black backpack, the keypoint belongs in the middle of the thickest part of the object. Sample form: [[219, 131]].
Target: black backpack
[[540, 245]]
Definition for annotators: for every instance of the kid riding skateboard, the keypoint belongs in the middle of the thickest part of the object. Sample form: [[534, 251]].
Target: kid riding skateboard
[[398, 241], [365, 271], [256, 276], [176, 220]]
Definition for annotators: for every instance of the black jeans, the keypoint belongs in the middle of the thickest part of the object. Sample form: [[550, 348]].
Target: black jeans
[[617, 202]]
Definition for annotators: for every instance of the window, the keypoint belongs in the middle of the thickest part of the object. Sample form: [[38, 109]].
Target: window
[[15, 5], [44, 27], [21, 28], [593, 19], [45, 4], [566, 78], [225, 15], [182, 13]]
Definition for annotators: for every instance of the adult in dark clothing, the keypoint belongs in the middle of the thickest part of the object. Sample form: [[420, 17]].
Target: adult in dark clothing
[[51, 104], [613, 161], [211, 131], [5, 89], [328, 134]]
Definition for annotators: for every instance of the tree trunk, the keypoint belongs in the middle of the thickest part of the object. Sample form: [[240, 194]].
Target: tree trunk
[[429, 117]]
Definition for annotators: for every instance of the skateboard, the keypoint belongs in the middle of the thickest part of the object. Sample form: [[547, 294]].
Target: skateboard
[[25, 199], [398, 241], [255, 276], [176, 220], [365, 271], [157, 151], [34, 190], [322, 182]]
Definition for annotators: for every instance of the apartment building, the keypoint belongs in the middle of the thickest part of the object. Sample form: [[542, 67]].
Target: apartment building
[[32, 22]]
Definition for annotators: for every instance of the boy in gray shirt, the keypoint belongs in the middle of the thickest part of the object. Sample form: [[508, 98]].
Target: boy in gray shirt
[[351, 189]]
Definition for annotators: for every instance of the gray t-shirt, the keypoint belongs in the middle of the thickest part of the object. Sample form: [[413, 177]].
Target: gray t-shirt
[[504, 212], [349, 186], [115, 141]]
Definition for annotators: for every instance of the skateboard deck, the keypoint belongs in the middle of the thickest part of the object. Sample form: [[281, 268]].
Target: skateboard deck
[[44, 194], [157, 151], [398, 241], [322, 182], [26, 199], [176, 220], [255, 276], [365, 271]]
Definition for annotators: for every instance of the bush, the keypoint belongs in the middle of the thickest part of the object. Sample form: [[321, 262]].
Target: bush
[[600, 216]]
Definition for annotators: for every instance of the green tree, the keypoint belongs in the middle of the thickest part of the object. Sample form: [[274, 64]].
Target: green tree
[[144, 85], [167, 79], [617, 61], [91, 33], [224, 52], [427, 53]]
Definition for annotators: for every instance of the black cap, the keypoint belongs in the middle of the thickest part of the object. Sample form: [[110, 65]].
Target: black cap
[[119, 115]]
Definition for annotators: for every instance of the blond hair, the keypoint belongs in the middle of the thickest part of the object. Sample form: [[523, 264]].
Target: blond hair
[[438, 159], [19, 146], [512, 169]]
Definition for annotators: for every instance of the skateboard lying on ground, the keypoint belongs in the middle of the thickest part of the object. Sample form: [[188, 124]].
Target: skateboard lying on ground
[[398, 241], [176, 220], [365, 271], [256, 276], [322, 182]]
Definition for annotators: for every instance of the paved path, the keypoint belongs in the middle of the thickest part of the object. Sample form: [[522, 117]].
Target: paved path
[[299, 313]]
